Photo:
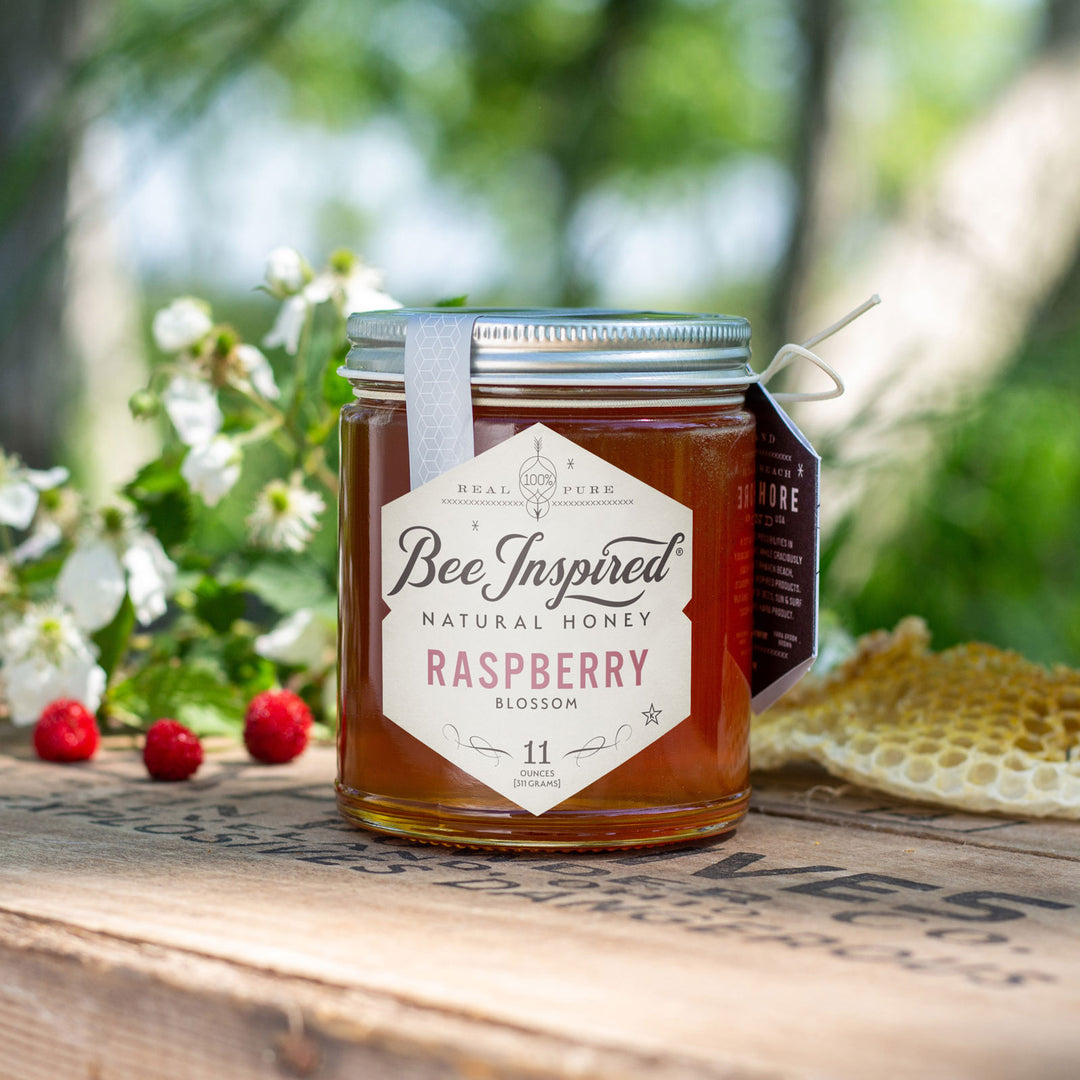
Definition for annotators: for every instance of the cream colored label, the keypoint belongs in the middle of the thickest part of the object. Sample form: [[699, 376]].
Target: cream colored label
[[536, 635]]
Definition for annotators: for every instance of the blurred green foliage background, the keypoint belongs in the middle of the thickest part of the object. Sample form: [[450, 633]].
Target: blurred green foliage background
[[632, 153]]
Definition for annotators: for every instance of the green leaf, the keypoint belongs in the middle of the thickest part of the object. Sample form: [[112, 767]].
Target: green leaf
[[44, 570], [336, 391], [318, 433], [286, 586], [158, 476], [453, 301], [162, 496], [195, 693], [245, 668], [218, 605], [208, 719], [112, 640]]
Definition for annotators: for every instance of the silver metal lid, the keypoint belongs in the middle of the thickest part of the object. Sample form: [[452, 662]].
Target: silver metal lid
[[582, 347]]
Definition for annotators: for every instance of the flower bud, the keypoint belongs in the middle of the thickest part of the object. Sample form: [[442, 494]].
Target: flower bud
[[227, 339], [181, 325], [144, 404], [286, 271]]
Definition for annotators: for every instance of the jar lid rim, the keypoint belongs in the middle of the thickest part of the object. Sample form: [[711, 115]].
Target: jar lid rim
[[568, 344]]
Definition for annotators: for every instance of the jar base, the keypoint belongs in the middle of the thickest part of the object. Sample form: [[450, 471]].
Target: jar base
[[577, 830]]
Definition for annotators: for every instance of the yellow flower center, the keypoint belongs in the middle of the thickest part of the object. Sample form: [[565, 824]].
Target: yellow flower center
[[51, 637]]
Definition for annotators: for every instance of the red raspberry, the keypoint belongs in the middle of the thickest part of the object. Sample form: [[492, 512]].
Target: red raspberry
[[276, 726], [171, 751], [66, 731]]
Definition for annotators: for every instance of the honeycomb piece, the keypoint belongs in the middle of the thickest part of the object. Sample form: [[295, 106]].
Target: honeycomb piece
[[975, 727]]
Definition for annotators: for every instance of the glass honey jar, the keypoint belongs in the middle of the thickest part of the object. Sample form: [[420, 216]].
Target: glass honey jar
[[547, 644]]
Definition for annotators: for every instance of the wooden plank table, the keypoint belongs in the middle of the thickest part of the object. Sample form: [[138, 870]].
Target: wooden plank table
[[234, 927]]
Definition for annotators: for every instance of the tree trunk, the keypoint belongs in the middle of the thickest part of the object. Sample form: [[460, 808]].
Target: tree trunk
[[819, 22], [37, 41]]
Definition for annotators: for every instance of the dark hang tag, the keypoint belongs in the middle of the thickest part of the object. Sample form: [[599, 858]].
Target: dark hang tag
[[785, 552]]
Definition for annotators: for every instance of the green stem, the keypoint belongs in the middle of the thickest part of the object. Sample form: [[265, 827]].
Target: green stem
[[316, 462], [292, 415], [278, 424], [163, 374], [113, 640], [317, 467], [268, 427]]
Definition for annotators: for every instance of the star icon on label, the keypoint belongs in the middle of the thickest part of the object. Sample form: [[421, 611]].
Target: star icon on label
[[652, 714]]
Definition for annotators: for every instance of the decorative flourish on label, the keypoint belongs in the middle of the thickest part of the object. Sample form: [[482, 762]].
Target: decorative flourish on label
[[598, 743], [475, 742], [536, 479]]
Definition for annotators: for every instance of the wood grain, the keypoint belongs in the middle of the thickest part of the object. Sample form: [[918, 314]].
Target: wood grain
[[233, 926]]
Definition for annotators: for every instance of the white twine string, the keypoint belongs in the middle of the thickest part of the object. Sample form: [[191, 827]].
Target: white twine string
[[790, 352]]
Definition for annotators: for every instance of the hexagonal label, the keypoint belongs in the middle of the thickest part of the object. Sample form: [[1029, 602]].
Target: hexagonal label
[[536, 635]]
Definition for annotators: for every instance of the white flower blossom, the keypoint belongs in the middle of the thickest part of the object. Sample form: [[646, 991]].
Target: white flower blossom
[[285, 515], [38, 544], [92, 583], [361, 290], [192, 402], [20, 488], [193, 408], [121, 558], [184, 323], [45, 657], [57, 516], [306, 638], [352, 286], [286, 271], [256, 370], [289, 324], [212, 469], [150, 576]]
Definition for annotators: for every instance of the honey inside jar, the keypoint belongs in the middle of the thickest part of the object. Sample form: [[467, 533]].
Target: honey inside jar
[[692, 443]]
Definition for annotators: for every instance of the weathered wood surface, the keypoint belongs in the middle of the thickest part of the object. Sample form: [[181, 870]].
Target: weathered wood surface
[[234, 927]]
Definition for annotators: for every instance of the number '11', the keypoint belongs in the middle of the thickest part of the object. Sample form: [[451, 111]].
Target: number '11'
[[543, 753]]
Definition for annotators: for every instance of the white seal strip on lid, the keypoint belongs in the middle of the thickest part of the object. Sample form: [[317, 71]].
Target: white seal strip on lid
[[438, 393]]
